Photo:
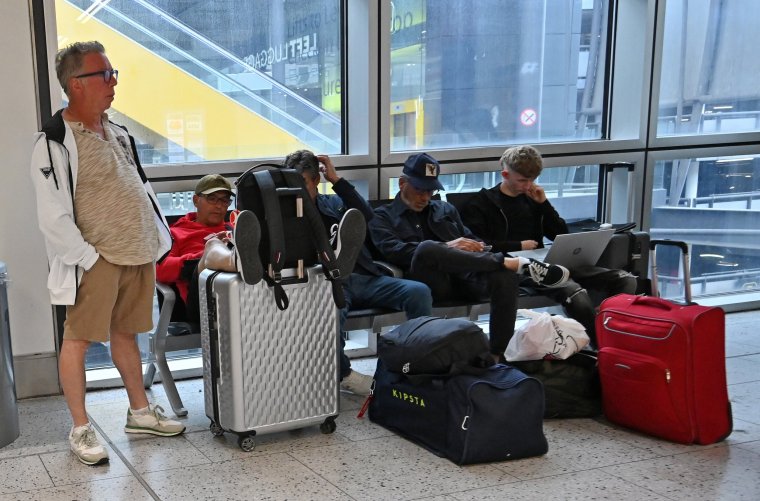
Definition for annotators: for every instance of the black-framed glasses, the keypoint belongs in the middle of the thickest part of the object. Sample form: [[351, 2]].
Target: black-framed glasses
[[107, 75], [225, 201]]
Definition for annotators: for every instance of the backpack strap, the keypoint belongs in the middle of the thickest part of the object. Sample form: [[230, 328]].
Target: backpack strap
[[276, 236]]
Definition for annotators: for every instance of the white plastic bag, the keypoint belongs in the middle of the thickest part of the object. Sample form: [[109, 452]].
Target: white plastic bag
[[545, 334]]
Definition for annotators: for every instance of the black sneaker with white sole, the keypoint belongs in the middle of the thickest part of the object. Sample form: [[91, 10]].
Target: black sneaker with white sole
[[350, 240], [546, 275], [246, 236]]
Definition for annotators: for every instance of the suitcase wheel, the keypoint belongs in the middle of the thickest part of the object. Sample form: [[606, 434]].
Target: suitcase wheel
[[328, 426], [216, 430], [247, 443]]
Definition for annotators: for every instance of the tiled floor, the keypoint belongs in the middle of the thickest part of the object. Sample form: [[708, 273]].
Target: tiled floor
[[587, 459]]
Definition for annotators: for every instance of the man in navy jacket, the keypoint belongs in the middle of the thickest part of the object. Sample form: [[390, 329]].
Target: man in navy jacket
[[426, 238]]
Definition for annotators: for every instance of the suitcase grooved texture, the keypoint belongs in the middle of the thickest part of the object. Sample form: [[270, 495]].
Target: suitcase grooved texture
[[278, 369]]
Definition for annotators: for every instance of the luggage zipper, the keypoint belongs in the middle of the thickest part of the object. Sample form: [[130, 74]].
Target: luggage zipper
[[609, 317]]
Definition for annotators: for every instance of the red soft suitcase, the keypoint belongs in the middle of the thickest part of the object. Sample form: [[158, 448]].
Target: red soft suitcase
[[662, 364]]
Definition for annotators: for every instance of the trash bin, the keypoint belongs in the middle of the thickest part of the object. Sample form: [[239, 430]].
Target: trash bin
[[8, 406]]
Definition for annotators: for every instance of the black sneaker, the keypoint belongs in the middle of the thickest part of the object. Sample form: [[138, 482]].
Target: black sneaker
[[247, 235], [546, 275]]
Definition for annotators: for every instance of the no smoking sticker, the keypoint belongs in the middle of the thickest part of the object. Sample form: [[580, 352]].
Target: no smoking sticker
[[528, 117]]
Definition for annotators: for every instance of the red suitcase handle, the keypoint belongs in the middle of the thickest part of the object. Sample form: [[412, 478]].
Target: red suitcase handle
[[654, 302]]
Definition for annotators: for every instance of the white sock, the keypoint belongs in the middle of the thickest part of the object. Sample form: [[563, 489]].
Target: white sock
[[522, 263], [74, 429], [140, 412]]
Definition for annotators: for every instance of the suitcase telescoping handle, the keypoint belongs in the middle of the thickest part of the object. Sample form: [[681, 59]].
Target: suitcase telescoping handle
[[685, 257]]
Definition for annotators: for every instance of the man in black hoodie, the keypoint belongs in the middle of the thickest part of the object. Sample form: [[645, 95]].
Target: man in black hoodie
[[515, 215]]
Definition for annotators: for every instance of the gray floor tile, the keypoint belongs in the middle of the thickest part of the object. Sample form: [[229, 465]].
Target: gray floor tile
[[752, 447], [743, 369], [745, 401], [354, 428], [365, 365], [64, 468], [23, 474], [573, 448], [744, 431], [161, 453], [349, 401], [582, 486], [112, 489], [656, 446], [714, 473], [32, 406], [437, 498], [394, 468], [270, 477], [40, 432], [737, 349]]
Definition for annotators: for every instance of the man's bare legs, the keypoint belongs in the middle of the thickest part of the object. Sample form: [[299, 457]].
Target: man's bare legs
[[126, 357], [72, 377]]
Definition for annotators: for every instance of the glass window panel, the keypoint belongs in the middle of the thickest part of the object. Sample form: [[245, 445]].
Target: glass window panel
[[205, 80], [494, 72], [573, 191], [709, 68], [713, 204]]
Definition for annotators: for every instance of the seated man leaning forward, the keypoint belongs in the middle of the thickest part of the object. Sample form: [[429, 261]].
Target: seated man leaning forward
[[427, 239], [202, 239], [366, 286], [516, 215]]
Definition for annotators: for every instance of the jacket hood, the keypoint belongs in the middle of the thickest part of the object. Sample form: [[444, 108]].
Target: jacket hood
[[55, 128]]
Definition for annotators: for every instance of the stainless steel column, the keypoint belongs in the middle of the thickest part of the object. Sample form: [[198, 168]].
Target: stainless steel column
[[8, 406]]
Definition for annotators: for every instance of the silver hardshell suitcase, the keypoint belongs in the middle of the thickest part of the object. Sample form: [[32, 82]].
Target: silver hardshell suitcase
[[266, 370]]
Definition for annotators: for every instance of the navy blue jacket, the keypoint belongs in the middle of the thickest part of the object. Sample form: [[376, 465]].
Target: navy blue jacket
[[396, 234]]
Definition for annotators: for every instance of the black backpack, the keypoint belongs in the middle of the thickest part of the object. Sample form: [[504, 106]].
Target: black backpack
[[433, 345], [293, 235], [571, 387]]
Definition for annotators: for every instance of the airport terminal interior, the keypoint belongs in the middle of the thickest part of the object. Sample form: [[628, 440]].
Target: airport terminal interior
[[645, 112]]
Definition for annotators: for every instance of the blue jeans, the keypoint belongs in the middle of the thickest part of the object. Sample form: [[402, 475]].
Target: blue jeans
[[370, 291]]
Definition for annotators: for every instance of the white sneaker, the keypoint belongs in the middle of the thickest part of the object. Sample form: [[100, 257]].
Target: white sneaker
[[85, 445], [153, 422], [357, 383]]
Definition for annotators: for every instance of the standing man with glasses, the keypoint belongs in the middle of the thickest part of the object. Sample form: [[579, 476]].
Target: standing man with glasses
[[426, 238], [103, 232]]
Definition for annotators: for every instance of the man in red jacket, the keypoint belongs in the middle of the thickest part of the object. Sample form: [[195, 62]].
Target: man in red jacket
[[206, 231]]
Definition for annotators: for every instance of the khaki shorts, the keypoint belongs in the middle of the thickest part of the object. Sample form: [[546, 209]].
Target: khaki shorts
[[111, 298]]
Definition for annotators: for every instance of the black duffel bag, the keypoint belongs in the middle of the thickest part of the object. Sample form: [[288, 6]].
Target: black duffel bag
[[433, 345], [494, 416], [571, 386]]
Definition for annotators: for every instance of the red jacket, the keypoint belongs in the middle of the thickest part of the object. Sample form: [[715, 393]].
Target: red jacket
[[189, 242]]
